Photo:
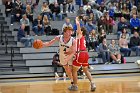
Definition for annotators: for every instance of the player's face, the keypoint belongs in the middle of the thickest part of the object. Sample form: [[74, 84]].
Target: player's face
[[68, 33]]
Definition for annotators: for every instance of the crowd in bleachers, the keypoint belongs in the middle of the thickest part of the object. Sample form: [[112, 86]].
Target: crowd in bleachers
[[98, 18]]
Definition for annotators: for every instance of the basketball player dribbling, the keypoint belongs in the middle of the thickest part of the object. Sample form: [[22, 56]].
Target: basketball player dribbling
[[81, 58], [67, 48]]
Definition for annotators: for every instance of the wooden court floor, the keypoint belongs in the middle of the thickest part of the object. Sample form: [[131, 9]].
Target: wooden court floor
[[105, 84]]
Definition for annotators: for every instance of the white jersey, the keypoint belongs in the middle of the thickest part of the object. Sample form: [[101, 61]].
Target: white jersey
[[65, 47]]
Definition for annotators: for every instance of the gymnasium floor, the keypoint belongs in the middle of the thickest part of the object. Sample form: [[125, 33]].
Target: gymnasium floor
[[120, 83]]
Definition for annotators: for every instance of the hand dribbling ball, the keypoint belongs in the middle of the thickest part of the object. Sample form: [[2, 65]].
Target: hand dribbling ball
[[38, 44]]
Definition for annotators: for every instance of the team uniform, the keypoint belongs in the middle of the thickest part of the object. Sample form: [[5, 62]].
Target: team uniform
[[81, 56], [65, 47]]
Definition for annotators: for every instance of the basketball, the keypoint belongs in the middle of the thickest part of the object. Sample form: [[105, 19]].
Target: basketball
[[37, 44]]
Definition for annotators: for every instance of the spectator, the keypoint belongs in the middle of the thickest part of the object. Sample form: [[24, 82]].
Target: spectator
[[56, 63], [89, 11], [63, 6], [135, 43], [109, 23], [26, 22], [126, 33], [56, 12], [121, 25], [8, 7], [90, 26], [125, 12], [27, 41], [101, 36], [123, 44], [104, 51], [38, 26], [45, 10], [18, 4], [67, 24], [47, 26], [16, 15], [101, 24], [93, 40], [29, 12], [135, 24], [81, 11], [115, 52]]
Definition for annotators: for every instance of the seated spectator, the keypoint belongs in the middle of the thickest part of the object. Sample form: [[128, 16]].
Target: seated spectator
[[47, 26], [18, 4], [56, 12], [63, 6], [38, 26], [70, 6], [133, 11], [123, 44], [115, 52], [81, 11], [26, 22], [101, 24], [67, 24], [90, 26], [8, 7], [104, 51], [91, 16], [29, 12], [135, 43], [125, 12], [101, 36], [21, 36], [121, 25], [109, 23], [45, 10], [56, 63], [89, 11], [135, 24], [93, 40], [126, 33], [16, 15]]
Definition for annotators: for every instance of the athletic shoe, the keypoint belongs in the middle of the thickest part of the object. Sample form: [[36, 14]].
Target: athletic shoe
[[56, 75], [93, 87], [64, 75], [73, 88]]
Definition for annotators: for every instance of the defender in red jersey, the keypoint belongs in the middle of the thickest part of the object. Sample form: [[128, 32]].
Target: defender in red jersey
[[81, 58]]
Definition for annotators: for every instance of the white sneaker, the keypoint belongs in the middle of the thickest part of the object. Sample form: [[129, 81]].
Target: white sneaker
[[11, 24], [56, 75], [91, 68], [66, 11], [64, 75], [61, 11]]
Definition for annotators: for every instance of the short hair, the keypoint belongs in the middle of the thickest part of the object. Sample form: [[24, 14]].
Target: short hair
[[67, 28]]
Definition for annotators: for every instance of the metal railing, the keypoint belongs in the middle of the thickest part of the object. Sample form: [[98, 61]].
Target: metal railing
[[12, 55], [2, 31]]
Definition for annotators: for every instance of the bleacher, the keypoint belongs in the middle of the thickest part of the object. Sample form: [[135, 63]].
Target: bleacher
[[29, 62]]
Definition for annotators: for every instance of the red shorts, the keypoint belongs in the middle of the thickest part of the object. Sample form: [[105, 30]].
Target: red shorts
[[81, 59]]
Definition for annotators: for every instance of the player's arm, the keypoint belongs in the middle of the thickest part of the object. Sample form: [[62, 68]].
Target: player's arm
[[46, 44], [79, 32], [72, 51]]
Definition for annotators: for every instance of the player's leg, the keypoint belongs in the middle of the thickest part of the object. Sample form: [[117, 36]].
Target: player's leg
[[74, 87], [88, 74], [68, 70]]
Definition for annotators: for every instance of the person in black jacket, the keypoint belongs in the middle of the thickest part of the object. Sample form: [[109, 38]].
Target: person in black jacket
[[56, 12], [8, 7], [135, 43], [56, 63]]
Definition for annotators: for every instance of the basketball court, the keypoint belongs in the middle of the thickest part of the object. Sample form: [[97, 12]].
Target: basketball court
[[118, 83]]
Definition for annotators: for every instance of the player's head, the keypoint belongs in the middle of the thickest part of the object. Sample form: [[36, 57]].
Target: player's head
[[68, 30], [83, 29]]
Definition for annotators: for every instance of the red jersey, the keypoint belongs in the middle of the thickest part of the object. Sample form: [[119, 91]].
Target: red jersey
[[81, 44]]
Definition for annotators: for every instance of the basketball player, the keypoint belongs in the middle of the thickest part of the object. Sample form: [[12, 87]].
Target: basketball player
[[67, 48], [81, 58]]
